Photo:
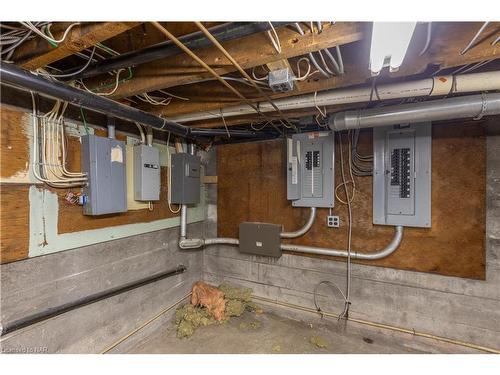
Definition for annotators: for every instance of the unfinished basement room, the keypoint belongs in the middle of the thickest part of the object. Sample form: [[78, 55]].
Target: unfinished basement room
[[292, 186]]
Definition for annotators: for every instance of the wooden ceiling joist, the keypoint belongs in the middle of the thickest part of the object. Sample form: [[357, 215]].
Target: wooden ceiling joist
[[251, 51], [444, 52], [37, 52]]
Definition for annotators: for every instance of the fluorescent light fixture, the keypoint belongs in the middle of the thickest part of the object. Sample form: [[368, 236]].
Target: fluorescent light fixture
[[390, 41]]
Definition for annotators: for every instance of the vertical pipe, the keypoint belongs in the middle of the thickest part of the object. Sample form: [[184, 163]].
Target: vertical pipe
[[183, 221]]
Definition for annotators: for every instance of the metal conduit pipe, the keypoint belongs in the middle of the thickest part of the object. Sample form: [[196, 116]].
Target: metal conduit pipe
[[386, 251], [304, 229], [195, 40], [20, 78], [435, 86], [452, 108]]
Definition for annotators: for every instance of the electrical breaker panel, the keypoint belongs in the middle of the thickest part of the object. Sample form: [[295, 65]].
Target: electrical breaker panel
[[185, 178], [310, 161], [146, 173], [402, 175], [103, 160]]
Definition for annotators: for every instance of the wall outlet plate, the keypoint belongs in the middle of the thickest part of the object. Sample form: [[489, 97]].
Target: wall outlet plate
[[333, 221]]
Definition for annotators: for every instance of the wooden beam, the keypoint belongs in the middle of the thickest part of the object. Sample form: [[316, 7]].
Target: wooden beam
[[444, 52], [250, 51], [38, 53]]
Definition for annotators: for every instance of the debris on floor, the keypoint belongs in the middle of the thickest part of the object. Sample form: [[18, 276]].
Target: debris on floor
[[252, 325], [319, 341], [214, 305], [210, 297], [276, 348]]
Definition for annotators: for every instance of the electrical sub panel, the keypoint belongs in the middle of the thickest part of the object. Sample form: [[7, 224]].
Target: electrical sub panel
[[146, 173], [310, 161], [402, 175], [103, 160], [185, 178]]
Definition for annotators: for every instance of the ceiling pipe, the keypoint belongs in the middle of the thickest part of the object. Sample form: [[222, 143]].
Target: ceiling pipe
[[17, 77], [435, 86], [475, 106], [194, 41]]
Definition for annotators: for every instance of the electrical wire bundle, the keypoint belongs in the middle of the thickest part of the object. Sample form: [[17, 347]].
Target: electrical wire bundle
[[14, 37], [361, 165], [49, 149]]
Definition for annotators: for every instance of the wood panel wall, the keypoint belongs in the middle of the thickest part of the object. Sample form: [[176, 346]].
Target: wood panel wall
[[252, 187], [14, 200]]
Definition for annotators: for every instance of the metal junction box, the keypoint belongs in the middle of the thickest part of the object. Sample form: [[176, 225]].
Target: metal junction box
[[260, 239], [146, 173], [310, 162], [402, 175], [185, 179], [281, 80], [103, 160]]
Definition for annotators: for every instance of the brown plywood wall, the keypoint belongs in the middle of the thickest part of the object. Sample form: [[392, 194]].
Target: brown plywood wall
[[15, 210], [252, 187]]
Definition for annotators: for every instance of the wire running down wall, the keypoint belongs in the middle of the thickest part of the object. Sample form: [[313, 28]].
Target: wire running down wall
[[252, 187]]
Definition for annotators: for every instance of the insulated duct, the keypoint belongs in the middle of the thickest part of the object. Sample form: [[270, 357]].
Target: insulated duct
[[17, 77], [196, 40], [474, 106], [435, 86]]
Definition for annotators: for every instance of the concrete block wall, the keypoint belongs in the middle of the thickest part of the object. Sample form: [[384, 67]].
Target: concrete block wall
[[35, 284], [462, 309]]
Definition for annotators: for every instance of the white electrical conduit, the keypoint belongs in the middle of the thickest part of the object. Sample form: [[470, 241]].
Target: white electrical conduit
[[195, 243], [304, 229], [434, 86]]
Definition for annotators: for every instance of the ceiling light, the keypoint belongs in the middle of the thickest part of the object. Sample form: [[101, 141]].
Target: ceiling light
[[390, 41]]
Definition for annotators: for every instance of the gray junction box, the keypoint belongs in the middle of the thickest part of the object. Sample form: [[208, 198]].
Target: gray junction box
[[146, 173], [402, 175], [185, 178], [260, 239], [310, 162], [103, 160]]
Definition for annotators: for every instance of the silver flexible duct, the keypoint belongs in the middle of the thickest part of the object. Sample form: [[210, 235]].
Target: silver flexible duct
[[304, 229], [444, 109]]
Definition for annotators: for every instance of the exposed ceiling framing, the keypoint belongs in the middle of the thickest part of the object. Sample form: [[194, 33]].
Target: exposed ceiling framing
[[180, 75]]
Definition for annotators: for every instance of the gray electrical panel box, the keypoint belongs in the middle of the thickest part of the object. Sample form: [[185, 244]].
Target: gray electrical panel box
[[310, 163], [103, 160], [260, 239], [146, 173], [185, 178], [402, 175]]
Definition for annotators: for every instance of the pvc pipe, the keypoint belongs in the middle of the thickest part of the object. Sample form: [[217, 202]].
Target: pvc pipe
[[443, 109], [304, 229], [183, 221], [386, 251], [435, 86]]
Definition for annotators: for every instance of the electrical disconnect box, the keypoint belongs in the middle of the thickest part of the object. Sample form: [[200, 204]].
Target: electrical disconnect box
[[281, 80], [146, 173], [185, 179], [260, 239], [402, 175], [103, 160], [310, 162]]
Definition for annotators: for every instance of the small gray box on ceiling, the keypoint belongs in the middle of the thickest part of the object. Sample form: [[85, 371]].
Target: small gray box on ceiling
[[310, 161], [260, 239], [146, 173], [402, 175], [281, 80], [185, 179], [103, 160]]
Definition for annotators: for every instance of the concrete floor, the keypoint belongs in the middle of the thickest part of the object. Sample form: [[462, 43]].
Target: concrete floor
[[271, 333]]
